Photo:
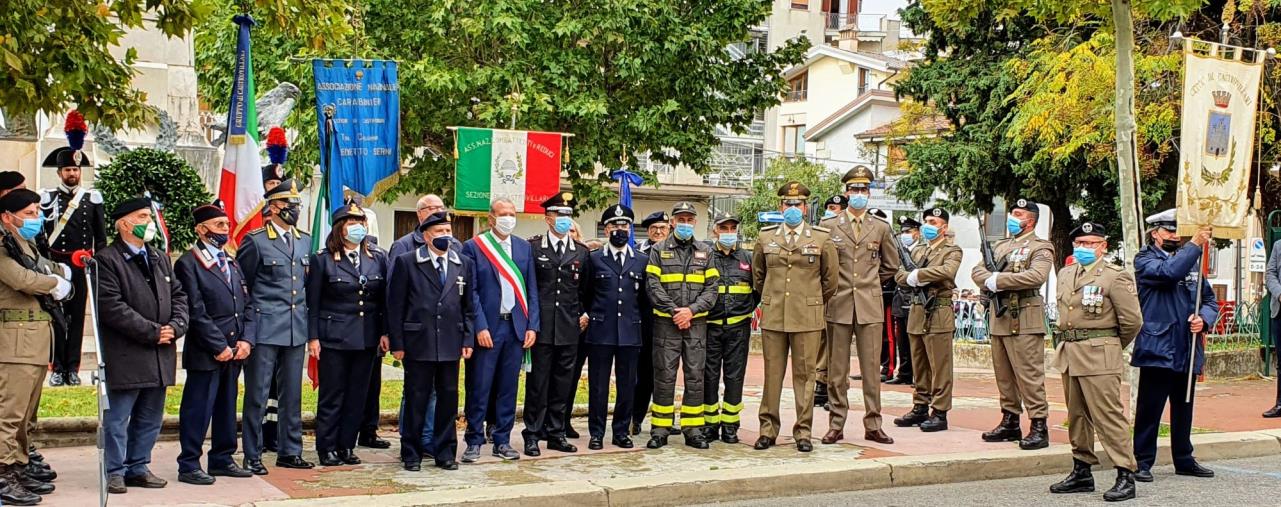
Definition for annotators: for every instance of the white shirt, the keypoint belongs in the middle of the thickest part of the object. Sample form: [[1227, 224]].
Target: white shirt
[[509, 292], [347, 256], [614, 252], [281, 232], [558, 244]]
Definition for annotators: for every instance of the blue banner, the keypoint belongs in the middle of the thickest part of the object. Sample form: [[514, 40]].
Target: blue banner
[[358, 111], [627, 179]]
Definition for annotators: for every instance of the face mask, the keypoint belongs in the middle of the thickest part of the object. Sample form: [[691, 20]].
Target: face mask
[[828, 214], [907, 240], [356, 233], [792, 216], [505, 225], [858, 201], [216, 240], [1014, 225], [619, 238], [728, 239], [562, 225], [1084, 256], [1171, 245], [31, 227], [146, 232], [289, 215], [684, 231], [440, 243], [930, 232]]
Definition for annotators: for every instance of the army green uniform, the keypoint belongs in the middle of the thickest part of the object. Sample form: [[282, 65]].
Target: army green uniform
[[680, 274], [1099, 316], [931, 322], [27, 337]]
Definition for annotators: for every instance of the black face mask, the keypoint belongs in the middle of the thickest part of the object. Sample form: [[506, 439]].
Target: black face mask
[[440, 243], [289, 215], [619, 238], [1171, 245]]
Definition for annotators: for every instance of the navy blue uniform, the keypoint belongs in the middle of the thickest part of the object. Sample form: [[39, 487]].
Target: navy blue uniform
[[1167, 293], [216, 297], [345, 311], [617, 304], [430, 316]]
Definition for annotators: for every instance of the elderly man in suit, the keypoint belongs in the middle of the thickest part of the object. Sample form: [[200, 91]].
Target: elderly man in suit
[[148, 313], [220, 337]]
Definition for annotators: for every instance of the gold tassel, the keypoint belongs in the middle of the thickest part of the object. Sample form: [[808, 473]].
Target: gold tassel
[[455, 145], [564, 159]]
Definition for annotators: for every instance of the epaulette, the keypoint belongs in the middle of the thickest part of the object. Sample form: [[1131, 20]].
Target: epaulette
[[95, 196], [878, 217], [821, 228], [1113, 267], [770, 228], [534, 239], [256, 231]]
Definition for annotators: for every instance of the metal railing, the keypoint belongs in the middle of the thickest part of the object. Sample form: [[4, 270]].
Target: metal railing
[[836, 20]]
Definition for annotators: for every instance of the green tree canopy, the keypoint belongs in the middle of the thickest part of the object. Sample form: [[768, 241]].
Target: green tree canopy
[[817, 177]]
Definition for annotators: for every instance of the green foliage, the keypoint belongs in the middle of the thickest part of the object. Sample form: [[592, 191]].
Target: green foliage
[[954, 15], [821, 182], [168, 177], [55, 53], [625, 77]]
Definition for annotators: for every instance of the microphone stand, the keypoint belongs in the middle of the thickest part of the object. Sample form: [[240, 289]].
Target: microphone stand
[[99, 377]]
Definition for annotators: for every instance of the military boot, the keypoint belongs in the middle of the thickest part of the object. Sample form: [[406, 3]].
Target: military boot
[[936, 422], [1124, 487], [729, 433], [1038, 437], [918, 415], [820, 395], [1081, 480], [1007, 431]]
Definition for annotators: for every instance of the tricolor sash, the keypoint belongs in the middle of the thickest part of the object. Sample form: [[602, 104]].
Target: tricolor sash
[[504, 265]]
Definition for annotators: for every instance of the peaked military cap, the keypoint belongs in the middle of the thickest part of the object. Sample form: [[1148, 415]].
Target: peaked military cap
[[618, 213], [351, 210], [684, 207], [287, 190], [1167, 220], [437, 218], [562, 203], [858, 176]]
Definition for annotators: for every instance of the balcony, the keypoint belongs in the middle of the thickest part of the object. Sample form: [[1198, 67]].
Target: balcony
[[795, 95], [836, 20]]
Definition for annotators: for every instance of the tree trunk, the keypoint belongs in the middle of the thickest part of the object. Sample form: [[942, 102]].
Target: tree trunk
[[1126, 150], [1060, 228]]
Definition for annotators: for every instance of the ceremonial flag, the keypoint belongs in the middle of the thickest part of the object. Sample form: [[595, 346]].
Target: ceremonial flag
[[162, 229], [519, 165], [1220, 99], [625, 181], [240, 183]]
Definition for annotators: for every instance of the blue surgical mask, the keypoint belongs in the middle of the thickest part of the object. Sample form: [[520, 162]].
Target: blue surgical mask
[[828, 214], [684, 231], [31, 227], [1084, 256], [563, 225], [728, 239], [1014, 225], [907, 239], [792, 216], [858, 201], [930, 232], [356, 233]]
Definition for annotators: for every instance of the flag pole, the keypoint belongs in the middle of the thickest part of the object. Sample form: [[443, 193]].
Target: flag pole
[[1196, 310]]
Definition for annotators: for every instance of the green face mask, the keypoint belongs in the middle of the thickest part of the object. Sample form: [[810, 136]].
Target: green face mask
[[146, 232]]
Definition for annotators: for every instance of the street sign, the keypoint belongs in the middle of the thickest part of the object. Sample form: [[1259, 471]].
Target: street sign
[[1258, 255], [769, 217]]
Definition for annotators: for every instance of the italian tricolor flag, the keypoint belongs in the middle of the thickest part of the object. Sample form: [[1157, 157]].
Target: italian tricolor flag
[[520, 165], [240, 184]]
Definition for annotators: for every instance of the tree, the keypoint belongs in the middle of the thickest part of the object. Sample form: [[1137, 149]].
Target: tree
[[780, 171], [169, 179], [625, 77]]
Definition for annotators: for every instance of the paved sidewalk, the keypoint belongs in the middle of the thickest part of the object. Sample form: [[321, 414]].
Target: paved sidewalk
[[1222, 407]]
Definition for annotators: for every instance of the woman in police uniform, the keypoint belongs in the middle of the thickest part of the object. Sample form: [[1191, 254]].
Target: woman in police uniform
[[345, 305]]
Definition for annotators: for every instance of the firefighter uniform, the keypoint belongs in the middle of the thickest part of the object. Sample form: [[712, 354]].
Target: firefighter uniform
[[795, 271], [680, 274], [729, 331], [1099, 316], [930, 325], [1018, 335]]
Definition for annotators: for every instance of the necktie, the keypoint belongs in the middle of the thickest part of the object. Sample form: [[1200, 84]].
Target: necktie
[[619, 256], [355, 259], [440, 268], [222, 265], [791, 238], [560, 248], [858, 227]]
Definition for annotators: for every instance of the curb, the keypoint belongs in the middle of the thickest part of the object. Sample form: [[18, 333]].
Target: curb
[[781, 481]]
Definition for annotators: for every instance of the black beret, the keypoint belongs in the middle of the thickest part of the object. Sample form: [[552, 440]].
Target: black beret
[[838, 200], [18, 200], [208, 212], [437, 218], [1025, 205], [936, 212], [653, 218], [1088, 229], [130, 206], [618, 213], [906, 222], [11, 179], [880, 213], [348, 211]]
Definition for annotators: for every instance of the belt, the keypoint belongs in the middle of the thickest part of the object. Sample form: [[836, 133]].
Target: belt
[[20, 315], [504, 316], [1079, 335], [729, 321], [665, 314], [938, 301]]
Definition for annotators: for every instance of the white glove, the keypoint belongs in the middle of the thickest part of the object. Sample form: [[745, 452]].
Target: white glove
[[61, 291], [911, 278], [991, 282], [66, 270]]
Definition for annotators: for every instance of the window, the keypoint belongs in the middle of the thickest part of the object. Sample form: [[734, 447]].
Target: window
[[798, 87], [803, 5], [864, 81], [793, 139]]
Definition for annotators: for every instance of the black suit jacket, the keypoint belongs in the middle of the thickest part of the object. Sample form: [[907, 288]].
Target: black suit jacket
[[564, 285], [345, 309], [216, 308], [427, 320], [132, 313]]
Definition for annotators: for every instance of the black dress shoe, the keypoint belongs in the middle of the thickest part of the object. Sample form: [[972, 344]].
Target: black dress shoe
[[636, 428], [570, 432], [40, 473], [11, 495], [73, 379], [804, 445], [1196, 470], [412, 466], [374, 443], [146, 480], [1143, 476], [349, 457], [231, 470], [763, 443], [327, 459], [596, 443], [1273, 412], [447, 465], [34, 455], [295, 462], [196, 477], [656, 442], [531, 448], [255, 466], [56, 380], [561, 445], [34, 486], [622, 442]]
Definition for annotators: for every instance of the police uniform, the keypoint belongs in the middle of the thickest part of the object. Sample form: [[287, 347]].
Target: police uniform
[[795, 270], [729, 331], [680, 274], [74, 220], [345, 312], [431, 307], [930, 325], [1098, 317], [275, 261], [1018, 335], [616, 308], [867, 258], [561, 269], [645, 365], [900, 307]]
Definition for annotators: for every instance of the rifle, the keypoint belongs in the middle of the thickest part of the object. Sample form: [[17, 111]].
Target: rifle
[[989, 262], [919, 294], [47, 302]]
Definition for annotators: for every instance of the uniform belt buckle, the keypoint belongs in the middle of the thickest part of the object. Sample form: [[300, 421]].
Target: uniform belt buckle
[[504, 316]]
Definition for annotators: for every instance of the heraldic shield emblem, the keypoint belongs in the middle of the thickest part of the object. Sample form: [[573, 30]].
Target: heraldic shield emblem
[[1218, 132]]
